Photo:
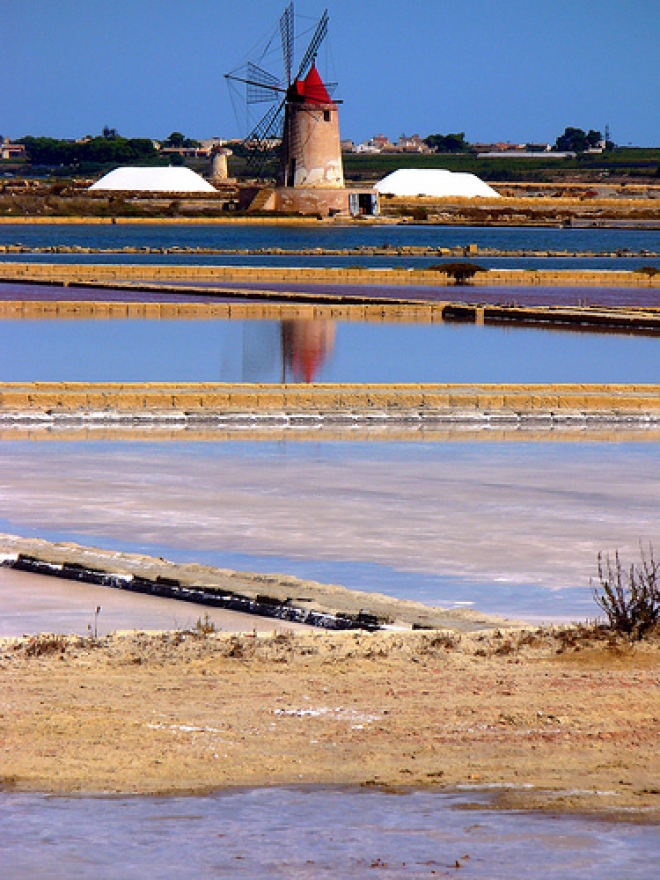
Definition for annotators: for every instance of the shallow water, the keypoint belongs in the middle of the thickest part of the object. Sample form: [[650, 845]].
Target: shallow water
[[321, 351], [510, 528], [335, 261], [33, 603], [237, 236], [312, 833]]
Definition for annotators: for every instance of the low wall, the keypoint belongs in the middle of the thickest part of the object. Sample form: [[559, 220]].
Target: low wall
[[89, 309], [580, 318], [76, 273], [334, 399]]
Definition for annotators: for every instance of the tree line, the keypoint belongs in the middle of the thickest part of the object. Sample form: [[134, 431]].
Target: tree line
[[107, 148], [573, 140], [97, 150]]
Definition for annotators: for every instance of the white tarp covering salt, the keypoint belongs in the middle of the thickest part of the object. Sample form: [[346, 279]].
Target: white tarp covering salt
[[435, 182], [169, 179]]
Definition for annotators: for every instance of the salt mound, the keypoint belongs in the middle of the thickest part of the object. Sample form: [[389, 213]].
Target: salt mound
[[435, 182], [170, 180]]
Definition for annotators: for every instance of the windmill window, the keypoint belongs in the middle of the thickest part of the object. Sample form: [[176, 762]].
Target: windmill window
[[326, 116]]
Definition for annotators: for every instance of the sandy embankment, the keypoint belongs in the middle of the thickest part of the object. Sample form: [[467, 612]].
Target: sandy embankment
[[278, 597], [559, 722]]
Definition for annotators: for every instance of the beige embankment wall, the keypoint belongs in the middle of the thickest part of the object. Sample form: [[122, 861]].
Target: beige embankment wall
[[161, 221], [104, 273], [89, 309], [199, 397]]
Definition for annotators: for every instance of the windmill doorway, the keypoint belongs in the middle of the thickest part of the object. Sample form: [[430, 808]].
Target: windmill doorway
[[291, 173], [363, 204]]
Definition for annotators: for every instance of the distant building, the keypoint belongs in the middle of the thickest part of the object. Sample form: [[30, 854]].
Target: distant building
[[524, 154], [187, 152], [12, 151], [412, 144], [381, 142]]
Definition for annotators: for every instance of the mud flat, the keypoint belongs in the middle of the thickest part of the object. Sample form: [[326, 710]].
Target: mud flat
[[563, 720]]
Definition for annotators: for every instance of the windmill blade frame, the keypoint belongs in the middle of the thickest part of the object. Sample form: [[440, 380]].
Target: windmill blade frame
[[287, 35], [315, 43], [261, 86], [259, 141]]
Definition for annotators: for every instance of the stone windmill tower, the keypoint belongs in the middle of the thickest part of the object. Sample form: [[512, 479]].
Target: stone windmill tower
[[303, 122], [310, 154]]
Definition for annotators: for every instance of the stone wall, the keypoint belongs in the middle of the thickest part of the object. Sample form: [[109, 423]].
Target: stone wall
[[76, 273], [335, 399]]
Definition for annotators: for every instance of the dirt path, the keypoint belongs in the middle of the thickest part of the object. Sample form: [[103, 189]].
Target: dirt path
[[559, 722]]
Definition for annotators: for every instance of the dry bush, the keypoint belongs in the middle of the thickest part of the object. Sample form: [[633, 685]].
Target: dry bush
[[204, 626], [440, 641], [240, 647], [45, 644], [629, 597]]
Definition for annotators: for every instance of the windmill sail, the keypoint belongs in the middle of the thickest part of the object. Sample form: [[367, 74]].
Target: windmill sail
[[314, 46], [261, 85], [287, 34]]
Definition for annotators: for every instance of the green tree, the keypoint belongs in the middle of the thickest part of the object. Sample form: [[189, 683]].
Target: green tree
[[575, 140], [447, 143], [594, 137], [176, 140], [101, 150]]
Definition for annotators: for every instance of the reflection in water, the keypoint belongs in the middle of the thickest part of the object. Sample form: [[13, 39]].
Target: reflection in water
[[138, 350], [306, 345], [260, 356], [293, 350]]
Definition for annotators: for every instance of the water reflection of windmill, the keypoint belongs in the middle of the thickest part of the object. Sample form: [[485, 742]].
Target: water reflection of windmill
[[306, 346], [301, 125], [296, 350]]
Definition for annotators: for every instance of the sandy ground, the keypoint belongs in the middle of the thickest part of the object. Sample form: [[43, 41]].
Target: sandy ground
[[555, 720]]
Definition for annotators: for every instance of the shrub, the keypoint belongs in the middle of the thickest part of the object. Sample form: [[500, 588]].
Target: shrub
[[629, 597], [45, 644], [204, 626], [460, 272]]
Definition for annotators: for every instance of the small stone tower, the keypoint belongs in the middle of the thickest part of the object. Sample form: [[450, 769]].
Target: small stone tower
[[219, 172], [310, 155]]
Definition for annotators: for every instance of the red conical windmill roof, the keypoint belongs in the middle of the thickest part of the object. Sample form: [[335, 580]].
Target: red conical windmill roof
[[311, 89]]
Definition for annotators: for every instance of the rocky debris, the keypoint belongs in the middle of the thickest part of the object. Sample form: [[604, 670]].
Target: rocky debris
[[362, 251]]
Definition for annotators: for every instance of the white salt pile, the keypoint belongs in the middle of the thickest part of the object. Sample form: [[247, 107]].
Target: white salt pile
[[169, 179], [435, 182]]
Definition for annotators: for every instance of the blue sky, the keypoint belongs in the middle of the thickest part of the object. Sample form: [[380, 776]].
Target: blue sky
[[516, 70]]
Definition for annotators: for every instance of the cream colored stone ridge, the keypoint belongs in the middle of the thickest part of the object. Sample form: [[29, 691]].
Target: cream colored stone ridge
[[84, 274], [268, 311], [267, 589], [232, 398]]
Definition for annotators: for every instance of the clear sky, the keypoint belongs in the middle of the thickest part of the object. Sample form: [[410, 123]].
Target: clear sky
[[511, 70]]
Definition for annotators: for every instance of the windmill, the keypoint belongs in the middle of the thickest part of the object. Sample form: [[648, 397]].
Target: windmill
[[301, 117]]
